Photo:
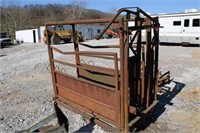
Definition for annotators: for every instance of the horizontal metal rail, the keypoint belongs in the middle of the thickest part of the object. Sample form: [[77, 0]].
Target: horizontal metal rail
[[105, 46], [83, 52], [71, 22], [92, 68], [102, 57]]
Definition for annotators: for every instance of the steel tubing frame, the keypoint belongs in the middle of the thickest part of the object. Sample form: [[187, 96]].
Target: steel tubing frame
[[144, 81]]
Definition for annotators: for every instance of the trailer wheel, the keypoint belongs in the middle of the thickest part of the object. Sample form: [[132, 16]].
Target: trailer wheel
[[55, 39]]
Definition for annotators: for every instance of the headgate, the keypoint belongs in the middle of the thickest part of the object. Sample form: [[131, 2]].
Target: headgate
[[114, 95]]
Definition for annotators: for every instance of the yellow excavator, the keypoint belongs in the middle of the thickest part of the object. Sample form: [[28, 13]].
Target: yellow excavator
[[59, 33]]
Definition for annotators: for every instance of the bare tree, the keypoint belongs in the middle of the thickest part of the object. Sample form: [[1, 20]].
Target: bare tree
[[112, 11], [77, 9], [13, 16]]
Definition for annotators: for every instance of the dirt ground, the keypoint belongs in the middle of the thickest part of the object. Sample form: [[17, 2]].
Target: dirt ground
[[179, 109], [26, 90]]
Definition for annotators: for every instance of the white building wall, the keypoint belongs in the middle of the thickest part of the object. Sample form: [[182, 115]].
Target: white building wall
[[27, 35]]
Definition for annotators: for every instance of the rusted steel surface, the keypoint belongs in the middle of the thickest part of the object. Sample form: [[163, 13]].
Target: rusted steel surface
[[121, 41], [116, 96]]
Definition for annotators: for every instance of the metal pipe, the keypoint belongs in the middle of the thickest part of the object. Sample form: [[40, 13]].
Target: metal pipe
[[101, 57], [50, 51], [138, 73], [71, 22], [126, 74], [114, 18], [148, 62], [105, 46], [117, 89], [83, 52], [149, 17], [92, 68], [156, 34], [121, 41], [76, 48]]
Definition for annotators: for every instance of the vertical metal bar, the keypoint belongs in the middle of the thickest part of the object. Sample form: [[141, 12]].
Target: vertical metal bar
[[117, 90], [76, 48], [50, 51], [143, 83], [143, 53], [126, 74], [139, 64], [156, 35], [143, 75], [122, 70], [148, 62], [135, 88], [154, 62], [152, 83], [116, 71]]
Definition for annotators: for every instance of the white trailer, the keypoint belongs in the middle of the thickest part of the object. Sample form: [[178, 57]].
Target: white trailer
[[181, 28]]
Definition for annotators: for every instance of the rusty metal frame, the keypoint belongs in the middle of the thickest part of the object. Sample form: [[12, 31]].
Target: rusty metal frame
[[120, 96]]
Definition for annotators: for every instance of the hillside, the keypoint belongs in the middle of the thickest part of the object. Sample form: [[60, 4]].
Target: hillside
[[15, 18]]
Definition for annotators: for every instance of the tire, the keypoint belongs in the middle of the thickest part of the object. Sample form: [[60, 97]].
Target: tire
[[55, 39], [66, 40], [2, 45]]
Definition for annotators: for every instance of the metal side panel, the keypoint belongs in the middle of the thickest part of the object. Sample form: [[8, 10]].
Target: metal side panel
[[97, 100]]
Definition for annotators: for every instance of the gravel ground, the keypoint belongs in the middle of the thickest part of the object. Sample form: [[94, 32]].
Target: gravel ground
[[26, 90]]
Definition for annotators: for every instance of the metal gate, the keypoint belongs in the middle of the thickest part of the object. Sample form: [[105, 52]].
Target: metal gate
[[114, 97]]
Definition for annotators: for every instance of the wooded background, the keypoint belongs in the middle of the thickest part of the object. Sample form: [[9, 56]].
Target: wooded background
[[16, 17]]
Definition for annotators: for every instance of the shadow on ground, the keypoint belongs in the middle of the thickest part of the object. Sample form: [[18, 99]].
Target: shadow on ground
[[87, 128], [164, 99]]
